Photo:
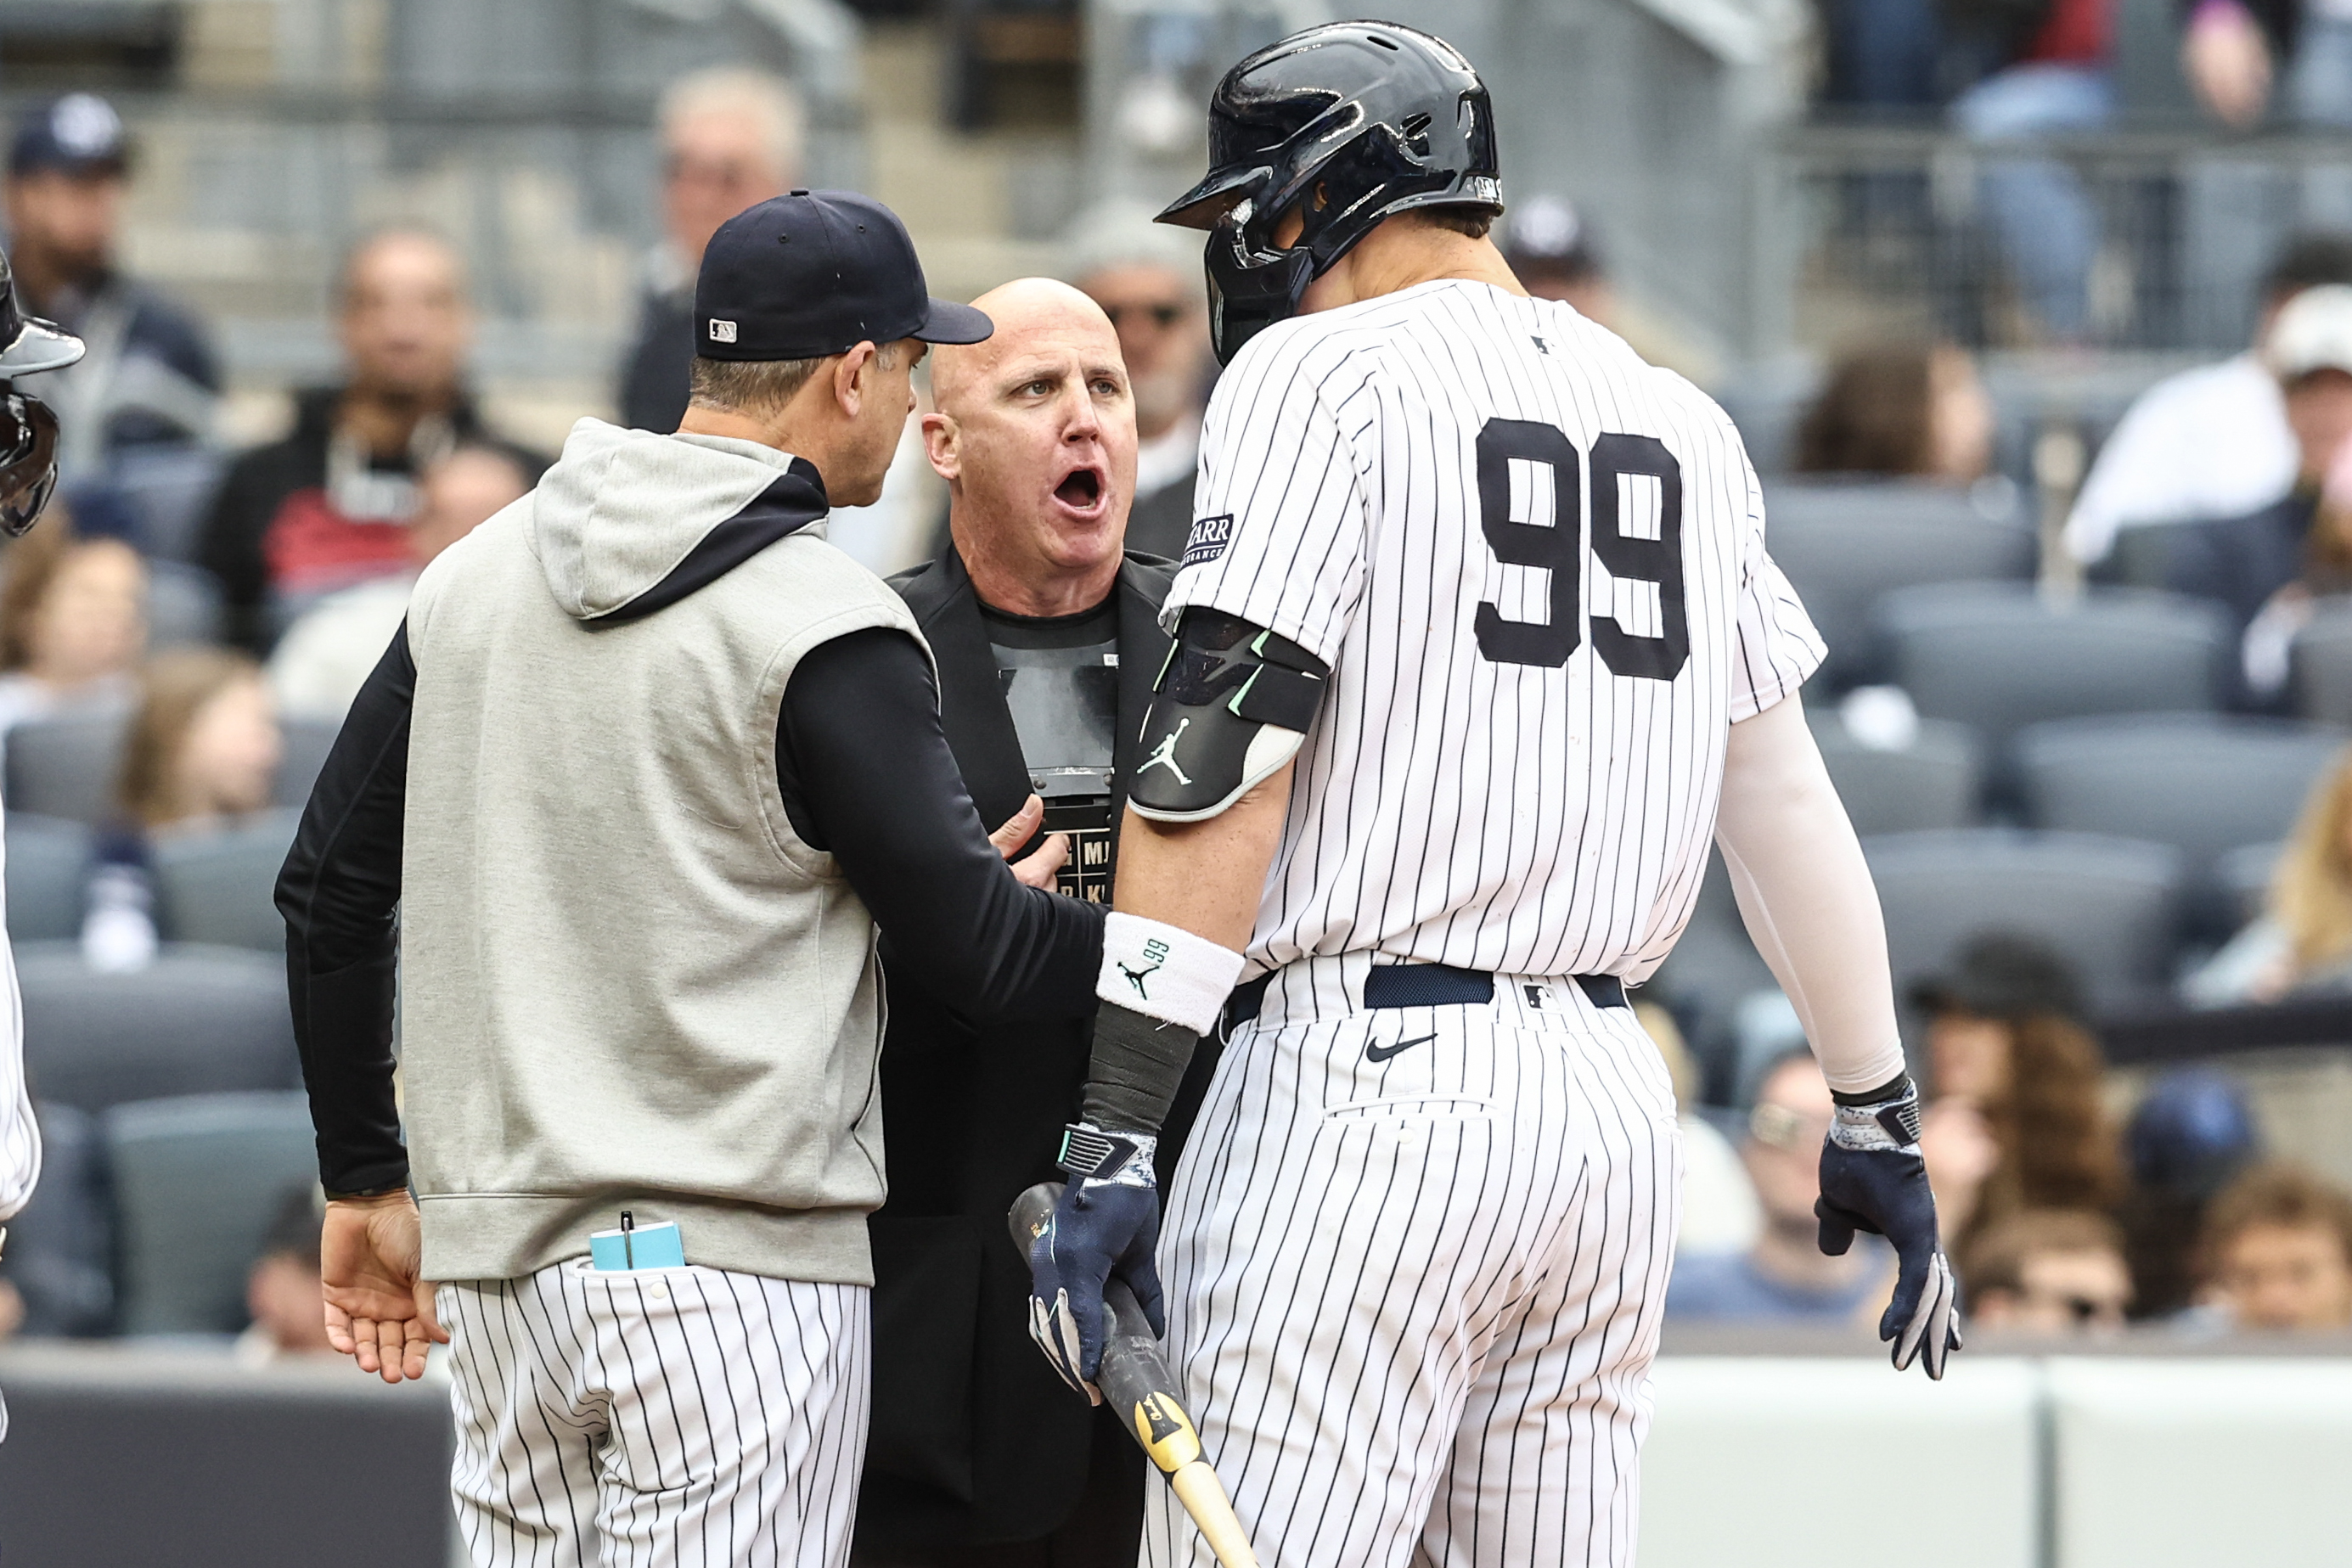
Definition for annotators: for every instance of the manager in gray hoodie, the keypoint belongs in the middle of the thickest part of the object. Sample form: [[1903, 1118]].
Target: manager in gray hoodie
[[641, 773]]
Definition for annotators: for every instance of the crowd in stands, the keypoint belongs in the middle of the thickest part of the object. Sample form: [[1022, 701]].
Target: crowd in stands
[[187, 628]]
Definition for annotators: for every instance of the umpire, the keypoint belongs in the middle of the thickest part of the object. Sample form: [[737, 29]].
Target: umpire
[[1047, 639], [644, 770]]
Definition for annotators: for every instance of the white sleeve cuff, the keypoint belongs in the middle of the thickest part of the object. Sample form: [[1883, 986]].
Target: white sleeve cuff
[[1165, 972]]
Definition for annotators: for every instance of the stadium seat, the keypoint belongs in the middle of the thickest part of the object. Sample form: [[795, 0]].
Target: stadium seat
[[1844, 547], [197, 1021], [1931, 783], [2110, 905], [2323, 664], [1997, 657], [61, 1243], [308, 741], [48, 877], [197, 1180], [2204, 783], [216, 887], [66, 767], [184, 605], [2243, 875], [2141, 556]]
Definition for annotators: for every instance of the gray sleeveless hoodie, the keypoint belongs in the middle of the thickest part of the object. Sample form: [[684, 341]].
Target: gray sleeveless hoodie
[[626, 982]]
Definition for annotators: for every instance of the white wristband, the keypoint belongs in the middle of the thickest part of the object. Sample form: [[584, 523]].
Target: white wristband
[[1165, 972]]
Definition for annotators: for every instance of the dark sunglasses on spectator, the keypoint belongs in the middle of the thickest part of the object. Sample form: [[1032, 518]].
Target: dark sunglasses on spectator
[[1162, 316]]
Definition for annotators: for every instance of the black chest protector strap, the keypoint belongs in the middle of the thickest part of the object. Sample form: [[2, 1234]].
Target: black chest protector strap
[[1233, 703]]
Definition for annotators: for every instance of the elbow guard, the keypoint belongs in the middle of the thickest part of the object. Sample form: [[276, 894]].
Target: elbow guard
[[1231, 706]]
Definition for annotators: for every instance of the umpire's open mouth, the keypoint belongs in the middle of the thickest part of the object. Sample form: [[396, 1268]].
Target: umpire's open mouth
[[1083, 492]]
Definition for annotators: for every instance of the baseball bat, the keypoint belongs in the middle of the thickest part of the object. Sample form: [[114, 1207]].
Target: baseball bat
[[1135, 1379]]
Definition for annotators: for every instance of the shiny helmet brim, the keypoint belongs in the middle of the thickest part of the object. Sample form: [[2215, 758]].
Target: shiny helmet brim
[[40, 346]]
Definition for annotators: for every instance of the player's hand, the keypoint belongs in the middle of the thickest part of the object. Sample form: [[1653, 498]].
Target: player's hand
[[378, 1311], [1100, 1228], [1036, 868], [1873, 1180]]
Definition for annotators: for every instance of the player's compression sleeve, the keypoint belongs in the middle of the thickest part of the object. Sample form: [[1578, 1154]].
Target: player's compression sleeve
[[1806, 894], [866, 776], [340, 893], [1279, 532]]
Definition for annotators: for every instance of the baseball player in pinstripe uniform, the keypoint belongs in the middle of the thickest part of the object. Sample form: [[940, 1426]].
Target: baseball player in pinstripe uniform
[[1478, 645]]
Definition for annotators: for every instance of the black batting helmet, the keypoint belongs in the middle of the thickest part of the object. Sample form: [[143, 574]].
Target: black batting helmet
[[28, 430], [1347, 124]]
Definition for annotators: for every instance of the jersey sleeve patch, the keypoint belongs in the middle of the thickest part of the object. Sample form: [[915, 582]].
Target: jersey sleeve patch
[[1208, 539]]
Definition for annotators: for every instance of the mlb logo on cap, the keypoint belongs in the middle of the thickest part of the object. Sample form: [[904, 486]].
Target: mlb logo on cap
[[722, 331]]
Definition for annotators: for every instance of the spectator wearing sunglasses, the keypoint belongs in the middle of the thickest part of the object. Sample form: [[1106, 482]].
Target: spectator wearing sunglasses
[[1784, 1276], [2049, 1271], [1147, 278]]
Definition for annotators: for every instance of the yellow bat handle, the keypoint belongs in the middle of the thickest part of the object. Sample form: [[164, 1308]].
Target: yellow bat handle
[[1204, 1497]]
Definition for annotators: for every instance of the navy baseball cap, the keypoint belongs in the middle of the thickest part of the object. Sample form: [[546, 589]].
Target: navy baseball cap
[[814, 273], [79, 133]]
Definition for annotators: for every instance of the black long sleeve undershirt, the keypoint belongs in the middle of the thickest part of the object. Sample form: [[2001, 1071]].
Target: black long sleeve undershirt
[[866, 774]]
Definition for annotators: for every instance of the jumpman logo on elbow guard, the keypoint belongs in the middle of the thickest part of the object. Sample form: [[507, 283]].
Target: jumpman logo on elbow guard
[[1137, 977], [1165, 755]]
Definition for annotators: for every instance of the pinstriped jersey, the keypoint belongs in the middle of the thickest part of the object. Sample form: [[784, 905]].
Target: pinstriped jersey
[[20, 1137], [1536, 565]]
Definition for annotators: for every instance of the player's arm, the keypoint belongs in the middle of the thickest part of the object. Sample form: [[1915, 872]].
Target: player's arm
[[1805, 892], [1205, 811], [340, 893]]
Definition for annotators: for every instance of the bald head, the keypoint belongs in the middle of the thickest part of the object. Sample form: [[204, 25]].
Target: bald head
[[1035, 433], [1034, 317], [404, 322]]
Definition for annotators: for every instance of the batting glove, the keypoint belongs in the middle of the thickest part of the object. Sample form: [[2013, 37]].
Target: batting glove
[[1873, 1180], [1107, 1223]]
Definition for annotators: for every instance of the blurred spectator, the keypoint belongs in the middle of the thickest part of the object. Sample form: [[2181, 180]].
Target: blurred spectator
[[1552, 249], [2266, 651], [204, 748], [730, 138], [2190, 1136], [2244, 561], [1719, 1210], [1961, 1152], [1147, 278], [203, 754], [1902, 411], [2231, 52], [1785, 1275], [2052, 76], [281, 1291], [1881, 54], [2211, 441], [325, 508], [2049, 1271], [73, 621], [1550, 244], [324, 658], [2278, 1247], [135, 413], [2003, 1037], [2302, 942]]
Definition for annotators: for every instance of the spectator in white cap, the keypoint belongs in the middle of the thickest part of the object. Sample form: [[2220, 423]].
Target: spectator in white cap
[[1147, 278], [2244, 561], [2209, 442], [1553, 246]]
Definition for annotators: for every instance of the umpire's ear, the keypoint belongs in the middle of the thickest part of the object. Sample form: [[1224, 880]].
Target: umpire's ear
[[942, 444]]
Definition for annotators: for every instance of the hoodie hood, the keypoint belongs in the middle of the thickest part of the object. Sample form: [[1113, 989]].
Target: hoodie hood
[[627, 522]]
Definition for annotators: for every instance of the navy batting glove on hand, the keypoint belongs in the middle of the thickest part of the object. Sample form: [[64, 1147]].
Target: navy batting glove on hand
[[1107, 1223], [1873, 1180]]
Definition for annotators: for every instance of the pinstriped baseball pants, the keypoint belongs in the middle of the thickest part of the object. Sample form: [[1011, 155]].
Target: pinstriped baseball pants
[[1416, 1262], [659, 1418]]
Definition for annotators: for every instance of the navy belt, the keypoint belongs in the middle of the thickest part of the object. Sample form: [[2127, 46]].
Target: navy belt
[[1421, 986]]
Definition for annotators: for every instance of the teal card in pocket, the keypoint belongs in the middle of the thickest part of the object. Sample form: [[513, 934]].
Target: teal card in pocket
[[638, 1247]]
